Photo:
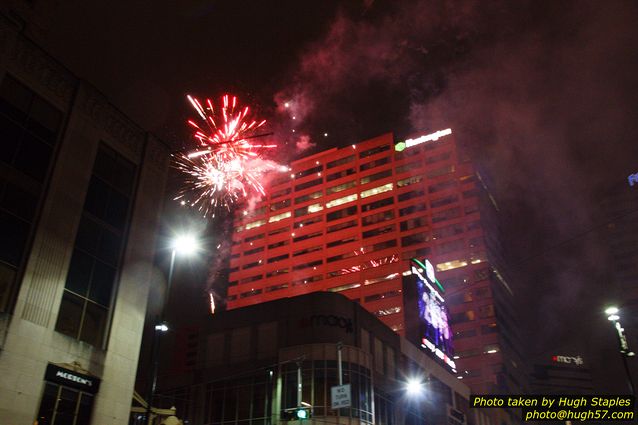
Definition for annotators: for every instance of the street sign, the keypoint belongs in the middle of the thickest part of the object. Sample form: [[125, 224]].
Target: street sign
[[340, 396]]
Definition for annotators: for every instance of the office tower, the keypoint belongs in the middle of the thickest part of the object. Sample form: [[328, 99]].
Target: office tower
[[80, 194], [350, 219]]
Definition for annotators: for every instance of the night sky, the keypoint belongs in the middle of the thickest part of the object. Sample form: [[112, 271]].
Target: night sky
[[544, 94]]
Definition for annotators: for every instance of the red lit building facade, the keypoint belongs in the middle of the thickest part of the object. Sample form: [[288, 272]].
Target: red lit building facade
[[350, 219]]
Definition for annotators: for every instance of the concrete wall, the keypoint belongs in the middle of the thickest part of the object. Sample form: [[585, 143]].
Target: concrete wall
[[28, 341]]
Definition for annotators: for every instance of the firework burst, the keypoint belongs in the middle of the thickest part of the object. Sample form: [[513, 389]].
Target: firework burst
[[226, 165]]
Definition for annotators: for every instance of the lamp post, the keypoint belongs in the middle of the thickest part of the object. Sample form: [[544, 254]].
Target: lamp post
[[613, 316], [184, 245]]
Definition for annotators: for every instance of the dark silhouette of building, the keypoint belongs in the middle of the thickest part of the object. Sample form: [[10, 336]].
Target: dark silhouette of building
[[259, 364]]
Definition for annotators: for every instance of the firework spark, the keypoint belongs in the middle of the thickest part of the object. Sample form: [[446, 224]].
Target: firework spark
[[370, 264], [226, 165]]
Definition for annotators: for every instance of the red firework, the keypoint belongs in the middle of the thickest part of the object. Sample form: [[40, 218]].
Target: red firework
[[226, 165]]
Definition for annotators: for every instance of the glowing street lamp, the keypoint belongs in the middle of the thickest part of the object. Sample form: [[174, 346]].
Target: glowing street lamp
[[414, 387], [613, 316], [184, 245]]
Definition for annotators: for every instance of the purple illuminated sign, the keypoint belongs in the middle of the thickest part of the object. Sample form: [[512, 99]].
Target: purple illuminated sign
[[435, 331]]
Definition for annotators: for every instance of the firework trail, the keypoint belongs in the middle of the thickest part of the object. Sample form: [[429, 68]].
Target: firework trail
[[226, 164]]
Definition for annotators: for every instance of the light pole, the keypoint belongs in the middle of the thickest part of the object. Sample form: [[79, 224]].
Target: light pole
[[184, 245], [613, 316]]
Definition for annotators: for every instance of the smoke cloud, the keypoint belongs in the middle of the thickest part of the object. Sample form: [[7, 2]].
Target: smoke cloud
[[542, 94]]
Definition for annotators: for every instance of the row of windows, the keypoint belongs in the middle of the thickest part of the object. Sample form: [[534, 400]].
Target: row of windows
[[402, 197], [364, 180], [406, 225], [483, 312]]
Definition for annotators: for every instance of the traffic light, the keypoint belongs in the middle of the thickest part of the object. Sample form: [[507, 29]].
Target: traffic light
[[296, 413]]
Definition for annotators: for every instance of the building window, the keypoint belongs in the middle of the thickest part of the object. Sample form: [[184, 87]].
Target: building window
[[441, 186], [409, 181], [250, 293], [383, 295], [277, 287], [278, 258], [340, 161], [254, 238], [307, 250], [308, 221], [440, 157], [255, 224], [407, 167], [278, 244], [446, 215], [447, 231], [465, 316], [452, 246], [444, 201], [410, 195], [278, 231], [279, 217], [341, 257], [277, 273], [309, 171], [345, 212], [29, 128], [308, 197], [374, 151], [415, 238], [376, 190], [308, 209], [378, 231], [341, 187], [307, 280], [99, 243], [413, 223], [61, 405], [341, 226], [341, 242], [308, 184], [341, 201], [307, 236], [376, 163], [280, 205], [440, 171], [468, 333], [375, 177], [251, 279], [377, 204], [307, 265], [377, 218], [254, 250], [340, 174], [280, 193]]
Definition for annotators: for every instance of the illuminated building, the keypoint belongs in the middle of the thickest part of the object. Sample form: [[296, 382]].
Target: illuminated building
[[349, 220], [241, 366], [80, 194]]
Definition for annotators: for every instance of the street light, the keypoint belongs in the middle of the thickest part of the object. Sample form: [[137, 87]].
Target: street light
[[414, 387], [186, 244], [614, 317]]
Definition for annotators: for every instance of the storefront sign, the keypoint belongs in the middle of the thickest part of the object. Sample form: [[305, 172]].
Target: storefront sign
[[329, 320], [577, 360], [71, 378]]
